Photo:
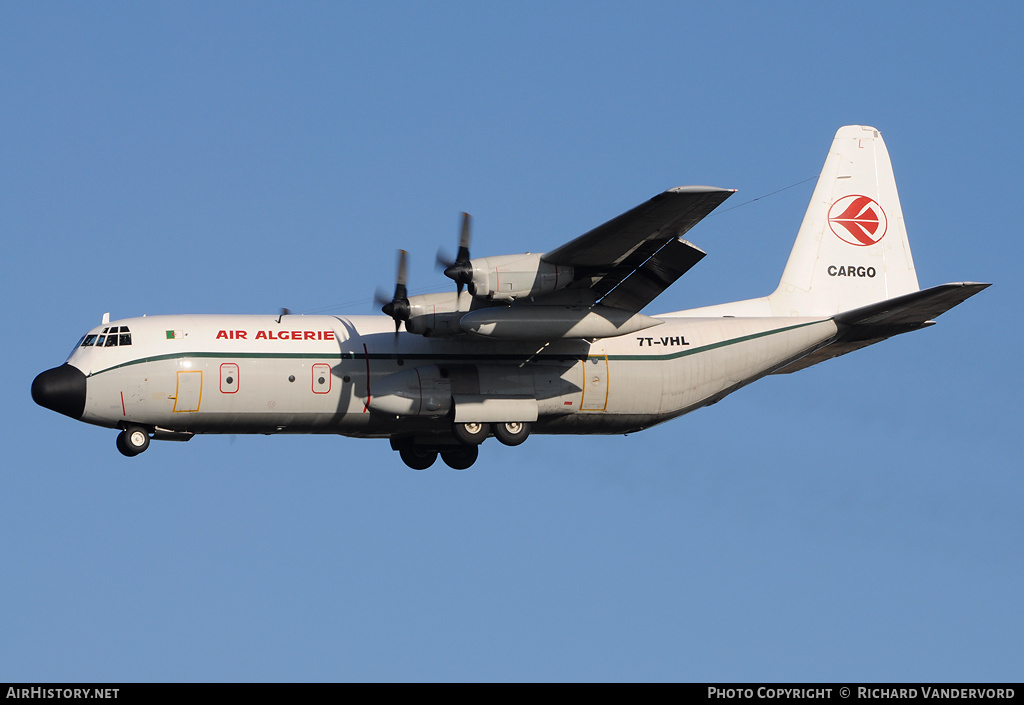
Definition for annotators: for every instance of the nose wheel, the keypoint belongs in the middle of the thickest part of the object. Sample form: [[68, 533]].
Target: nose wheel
[[132, 441]]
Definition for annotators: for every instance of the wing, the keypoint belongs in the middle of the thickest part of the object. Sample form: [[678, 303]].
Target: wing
[[631, 259]]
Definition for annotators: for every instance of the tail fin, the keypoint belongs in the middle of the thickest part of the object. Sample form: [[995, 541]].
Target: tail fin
[[852, 248]]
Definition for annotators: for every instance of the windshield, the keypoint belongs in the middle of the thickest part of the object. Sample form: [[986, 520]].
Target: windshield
[[110, 337]]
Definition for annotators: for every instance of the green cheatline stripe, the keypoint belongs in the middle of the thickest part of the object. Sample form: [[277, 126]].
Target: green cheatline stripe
[[228, 355], [713, 346], [445, 356]]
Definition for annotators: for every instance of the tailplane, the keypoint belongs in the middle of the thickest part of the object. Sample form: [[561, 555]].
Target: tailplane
[[876, 322]]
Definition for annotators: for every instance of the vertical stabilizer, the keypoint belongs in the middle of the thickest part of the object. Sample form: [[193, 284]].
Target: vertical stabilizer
[[852, 248]]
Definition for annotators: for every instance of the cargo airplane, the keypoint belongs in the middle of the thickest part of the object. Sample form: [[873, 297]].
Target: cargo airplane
[[551, 343]]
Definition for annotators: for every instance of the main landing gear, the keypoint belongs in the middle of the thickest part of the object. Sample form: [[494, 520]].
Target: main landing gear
[[132, 441], [510, 433], [464, 452], [420, 457]]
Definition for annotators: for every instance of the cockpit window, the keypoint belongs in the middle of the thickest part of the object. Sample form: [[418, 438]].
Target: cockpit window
[[112, 336]]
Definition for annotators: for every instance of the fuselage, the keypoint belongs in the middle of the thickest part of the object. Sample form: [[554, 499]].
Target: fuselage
[[319, 374]]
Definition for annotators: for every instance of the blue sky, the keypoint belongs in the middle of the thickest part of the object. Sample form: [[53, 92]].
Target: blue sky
[[857, 521]]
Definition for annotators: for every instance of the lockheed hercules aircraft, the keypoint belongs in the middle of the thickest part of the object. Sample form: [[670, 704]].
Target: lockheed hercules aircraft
[[549, 343]]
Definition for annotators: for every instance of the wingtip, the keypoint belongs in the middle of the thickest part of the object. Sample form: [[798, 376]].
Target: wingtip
[[690, 244], [700, 189], [977, 286]]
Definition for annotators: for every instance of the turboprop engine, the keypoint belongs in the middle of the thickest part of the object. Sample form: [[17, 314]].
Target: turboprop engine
[[510, 277], [504, 277], [437, 315]]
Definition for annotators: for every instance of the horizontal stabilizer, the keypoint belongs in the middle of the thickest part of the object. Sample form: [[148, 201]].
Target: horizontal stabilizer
[[874, 323], [915, 308]]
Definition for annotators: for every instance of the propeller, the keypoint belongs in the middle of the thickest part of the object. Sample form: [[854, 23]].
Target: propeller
[[459, 270], [398, 306]]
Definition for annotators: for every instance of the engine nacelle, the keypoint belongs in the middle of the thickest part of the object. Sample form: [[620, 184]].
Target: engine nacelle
[[437, 315], [509, 277]]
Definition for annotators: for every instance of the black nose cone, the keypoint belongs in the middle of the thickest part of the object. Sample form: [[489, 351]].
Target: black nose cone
[[61, 389]]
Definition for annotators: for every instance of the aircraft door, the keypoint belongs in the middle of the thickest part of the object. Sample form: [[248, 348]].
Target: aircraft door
[[189, 390], [595, 383], [229, 378], [321, 378]]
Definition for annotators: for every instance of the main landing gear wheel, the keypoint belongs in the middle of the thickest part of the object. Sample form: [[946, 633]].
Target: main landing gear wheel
[[418, 458], [132, 441], [460, 458], [512, 433], [472, 433]]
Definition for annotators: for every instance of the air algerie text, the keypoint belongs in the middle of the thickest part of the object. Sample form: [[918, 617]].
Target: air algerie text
[[276, 335]]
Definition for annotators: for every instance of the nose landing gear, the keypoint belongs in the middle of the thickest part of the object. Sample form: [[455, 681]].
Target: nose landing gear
[[132, 441]]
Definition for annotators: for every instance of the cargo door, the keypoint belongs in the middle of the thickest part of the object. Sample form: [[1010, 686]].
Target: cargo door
[[595, 383], [189, 390]]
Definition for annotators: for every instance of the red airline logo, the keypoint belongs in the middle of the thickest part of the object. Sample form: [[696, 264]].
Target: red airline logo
[[857, 220]]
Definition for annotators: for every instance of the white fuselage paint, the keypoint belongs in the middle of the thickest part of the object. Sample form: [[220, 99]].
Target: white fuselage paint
[[316, 374]]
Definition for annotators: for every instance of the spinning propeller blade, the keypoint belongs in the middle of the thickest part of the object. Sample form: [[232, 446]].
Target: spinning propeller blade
[[398, 306], [459, 270]]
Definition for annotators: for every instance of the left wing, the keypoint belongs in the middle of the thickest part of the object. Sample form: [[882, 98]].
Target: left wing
[[631, 259]]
